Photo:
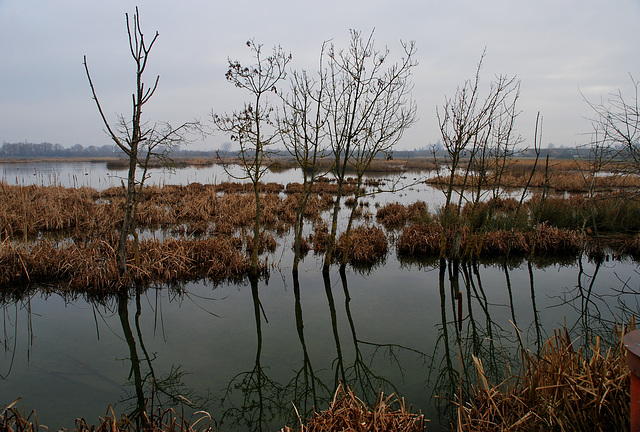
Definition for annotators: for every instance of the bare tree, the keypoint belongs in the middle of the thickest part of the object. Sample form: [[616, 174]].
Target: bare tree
[[253, 127], [617, 125], [137, 139], [367, 110], [470, 126], [302, 126]]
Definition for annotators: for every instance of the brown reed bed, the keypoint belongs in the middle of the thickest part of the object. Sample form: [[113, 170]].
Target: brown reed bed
[[425, 240], [563, 176], [92, 266], [324, 186], [27, 210], [348, 413], [563, 388]]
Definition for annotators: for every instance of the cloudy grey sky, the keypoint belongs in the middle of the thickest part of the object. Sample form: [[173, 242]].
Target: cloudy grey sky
[[560, 50]]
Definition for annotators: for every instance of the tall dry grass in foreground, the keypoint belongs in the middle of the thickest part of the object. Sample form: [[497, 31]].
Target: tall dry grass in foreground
[[348, 413], [561, 389]]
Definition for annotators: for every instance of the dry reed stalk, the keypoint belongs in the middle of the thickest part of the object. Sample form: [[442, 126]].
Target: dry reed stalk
[[348, 413], [562, 388]]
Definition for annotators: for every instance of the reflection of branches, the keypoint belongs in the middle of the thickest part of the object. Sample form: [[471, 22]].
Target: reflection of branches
[[582, 299], [474, 339], [360, 373], [446, 381], [305, 385], [536, 320], [339, 364], [12, 347], [164, 391], [260, 402]]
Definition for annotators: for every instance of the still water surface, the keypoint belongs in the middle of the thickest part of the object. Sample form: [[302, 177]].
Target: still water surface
[[248, 353]]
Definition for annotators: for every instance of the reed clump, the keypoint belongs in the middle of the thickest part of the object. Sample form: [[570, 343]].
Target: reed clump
[[367, 245], [563, 388], [320, 237], [348, 413]]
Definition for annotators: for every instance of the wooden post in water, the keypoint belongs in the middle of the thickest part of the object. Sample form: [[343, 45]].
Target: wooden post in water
[[632, 343]]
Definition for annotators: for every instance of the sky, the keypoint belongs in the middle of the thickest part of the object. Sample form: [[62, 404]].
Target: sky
[[561, 51]]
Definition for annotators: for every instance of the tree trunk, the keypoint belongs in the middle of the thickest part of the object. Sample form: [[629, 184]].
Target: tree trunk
[[128, 224]]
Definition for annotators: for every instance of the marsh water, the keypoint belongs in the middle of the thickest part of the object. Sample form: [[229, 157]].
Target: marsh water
[[254, 354]]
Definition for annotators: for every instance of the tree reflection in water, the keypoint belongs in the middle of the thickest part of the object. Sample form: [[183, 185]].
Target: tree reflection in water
[[264, 403], [306, 390], [259, 401], [150, 390], [481, 336], [318, 340]]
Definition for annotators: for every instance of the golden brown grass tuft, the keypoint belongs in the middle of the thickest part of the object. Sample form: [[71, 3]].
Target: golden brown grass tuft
[[348, 413], [367, 245], [396, 215], [418, 239]]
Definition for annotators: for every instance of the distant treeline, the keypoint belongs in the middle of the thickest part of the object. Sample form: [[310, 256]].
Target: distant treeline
[[49, 150]]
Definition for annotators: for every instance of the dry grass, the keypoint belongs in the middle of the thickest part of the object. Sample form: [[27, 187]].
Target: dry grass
[[562, 176], [396, 215], [563, 388], [367, 246], [92, 266], [425, 240], [348, 413]]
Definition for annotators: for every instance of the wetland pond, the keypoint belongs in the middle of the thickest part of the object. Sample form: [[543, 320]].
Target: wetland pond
[[248, 353]]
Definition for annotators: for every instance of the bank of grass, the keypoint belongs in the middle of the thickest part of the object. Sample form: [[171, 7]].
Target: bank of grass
[[91, 266], [574, 176], [606, 223]]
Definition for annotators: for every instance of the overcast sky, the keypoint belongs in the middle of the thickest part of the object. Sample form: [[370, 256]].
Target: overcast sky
[[561, 51]]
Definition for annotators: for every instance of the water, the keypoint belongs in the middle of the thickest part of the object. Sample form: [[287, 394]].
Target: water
[[249, 353]]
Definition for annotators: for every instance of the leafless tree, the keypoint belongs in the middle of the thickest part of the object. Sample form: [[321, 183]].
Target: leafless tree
[[617, 125], [302, 127], [473, 129], [253, 128], [139, 140], [614, 146], [368, 108]]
